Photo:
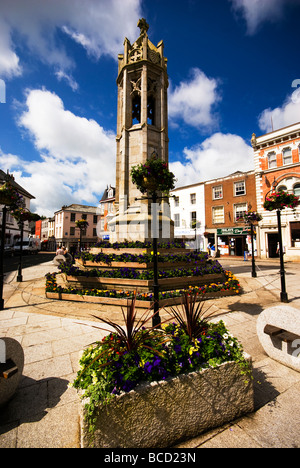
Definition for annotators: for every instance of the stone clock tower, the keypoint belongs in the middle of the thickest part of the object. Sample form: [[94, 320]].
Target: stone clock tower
[[142, 129]]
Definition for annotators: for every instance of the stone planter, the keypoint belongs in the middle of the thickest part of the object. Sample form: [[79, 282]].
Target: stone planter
[[162, 414]]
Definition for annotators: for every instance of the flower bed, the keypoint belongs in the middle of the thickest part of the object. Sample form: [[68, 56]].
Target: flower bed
[[230, 286], [194, 370]]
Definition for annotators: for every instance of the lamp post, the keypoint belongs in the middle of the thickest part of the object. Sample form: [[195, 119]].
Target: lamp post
[[4, 211], [273, 203], [20, 276], [254, 275], [283, 294]]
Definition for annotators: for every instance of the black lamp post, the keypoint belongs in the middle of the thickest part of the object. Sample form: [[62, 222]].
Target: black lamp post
[[254, 275], [4, 211], [20, 276], [283, 294]]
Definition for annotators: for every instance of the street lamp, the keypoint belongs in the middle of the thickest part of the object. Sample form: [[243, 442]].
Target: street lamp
[[278, 201]]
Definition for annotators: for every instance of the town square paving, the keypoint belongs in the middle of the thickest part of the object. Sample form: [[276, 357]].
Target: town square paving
[[44, 412]]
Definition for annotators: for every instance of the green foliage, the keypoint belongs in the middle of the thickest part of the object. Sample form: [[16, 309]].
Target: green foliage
[[153, 176]]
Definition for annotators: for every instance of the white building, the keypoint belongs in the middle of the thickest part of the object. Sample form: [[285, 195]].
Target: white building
[[12, 232], [188, 213]]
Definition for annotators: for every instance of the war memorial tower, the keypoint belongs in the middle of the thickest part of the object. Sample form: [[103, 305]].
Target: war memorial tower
[[142, 131]]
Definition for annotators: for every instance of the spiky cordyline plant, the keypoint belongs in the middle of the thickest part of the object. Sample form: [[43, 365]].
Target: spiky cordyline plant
[[132, 336], [192, 318]]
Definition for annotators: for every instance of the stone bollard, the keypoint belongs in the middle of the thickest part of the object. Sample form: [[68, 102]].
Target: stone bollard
[[11, 368]]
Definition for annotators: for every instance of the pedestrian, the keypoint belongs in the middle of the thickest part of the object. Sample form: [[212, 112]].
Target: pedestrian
[[208, 248], [213, 250], [60, 251]]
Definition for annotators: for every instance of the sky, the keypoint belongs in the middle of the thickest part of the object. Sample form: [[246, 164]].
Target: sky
[[233, 69]]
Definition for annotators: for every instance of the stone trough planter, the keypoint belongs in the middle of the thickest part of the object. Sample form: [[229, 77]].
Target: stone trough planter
[[162, 414]]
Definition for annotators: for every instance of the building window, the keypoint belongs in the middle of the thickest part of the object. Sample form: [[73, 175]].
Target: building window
[[176, 201], [297, 190], [193, 219], [239, 188], [94, 232], [84, 216], [239, 211], [272, 160], [282, 188], [73, 216], [217, 192], [151, 110], [72, 231], [95, 219], [218, 214], [193, 198], [295, 234], [136, 109], [287, 156], [177, 220]]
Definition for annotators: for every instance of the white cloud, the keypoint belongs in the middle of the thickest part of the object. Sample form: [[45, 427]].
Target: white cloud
[[98, 25], [193, 101], [77, 155], [287, 114], [217, 156], [257, 12]]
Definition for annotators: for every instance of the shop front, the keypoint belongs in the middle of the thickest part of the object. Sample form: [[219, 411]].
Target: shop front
[[234, 241]]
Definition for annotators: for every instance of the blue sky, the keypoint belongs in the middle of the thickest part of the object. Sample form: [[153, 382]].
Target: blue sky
[[233, 67]]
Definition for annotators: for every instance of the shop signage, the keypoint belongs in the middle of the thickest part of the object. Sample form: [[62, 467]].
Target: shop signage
[[233, 231]]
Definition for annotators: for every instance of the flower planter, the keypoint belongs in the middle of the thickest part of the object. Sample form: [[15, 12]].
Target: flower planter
[[136, 265], [142, 285], [114, 301], [162, 414]]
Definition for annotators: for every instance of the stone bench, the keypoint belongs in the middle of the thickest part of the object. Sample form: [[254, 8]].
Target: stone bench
[[278, 330]]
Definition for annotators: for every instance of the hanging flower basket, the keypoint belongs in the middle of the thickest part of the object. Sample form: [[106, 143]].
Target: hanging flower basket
[[22, 214], [153, 176], [252, 217], [10, 197], [281, 200], [82, 224]]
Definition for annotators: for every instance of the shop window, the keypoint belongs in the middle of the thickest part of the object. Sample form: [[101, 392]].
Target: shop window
[[217, 192], [218, 214], [239, 211], [287, 156], [272, 160], [295, 234], [297, 190], [240, 188]]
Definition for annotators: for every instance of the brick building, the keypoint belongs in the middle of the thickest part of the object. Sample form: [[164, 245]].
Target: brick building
[[277, 167], [226, 201]]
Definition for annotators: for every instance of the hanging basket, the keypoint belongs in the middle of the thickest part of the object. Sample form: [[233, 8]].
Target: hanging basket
[[252, 217], [153, 176], [5, 199], [281, 200]]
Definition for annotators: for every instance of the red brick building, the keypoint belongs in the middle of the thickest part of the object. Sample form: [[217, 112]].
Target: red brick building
[[277, 167], [226, 201]]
